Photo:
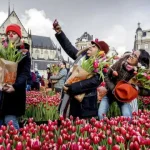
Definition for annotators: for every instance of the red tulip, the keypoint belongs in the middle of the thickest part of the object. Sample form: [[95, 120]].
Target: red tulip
[[136, 145], [90, 148], [19, 146], [35, 144], [96, 139], [60, 140], [8, 147], [95, 64], [105, 70], [101, 147], [109, 141], [103, 84], [64, 147], [74, 146], [116, 147], [2, 147], [123, 131]]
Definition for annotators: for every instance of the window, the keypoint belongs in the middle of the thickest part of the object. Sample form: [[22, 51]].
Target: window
[[146, 46], [35, 66], [37, 51]]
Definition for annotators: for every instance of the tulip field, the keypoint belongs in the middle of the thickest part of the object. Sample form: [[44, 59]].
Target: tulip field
[[112, 133], [42, 106], [115, 134]]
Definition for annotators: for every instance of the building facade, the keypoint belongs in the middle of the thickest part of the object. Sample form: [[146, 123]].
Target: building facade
[[42, 49], [142, 39], [83, 41]]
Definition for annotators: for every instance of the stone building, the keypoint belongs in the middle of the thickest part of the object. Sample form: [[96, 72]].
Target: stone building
[[42, 49], [83, 41], [142, 39]]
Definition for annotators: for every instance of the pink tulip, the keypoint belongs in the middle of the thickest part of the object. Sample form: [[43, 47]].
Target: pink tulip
[[101, 147], [96, 139], [95, 64], [5, 44], [103, 84], [109, 141], [35, 144], [2, 147], [105, 70], [19, 146], [8, 147], [60, 140], [116, 147], [96, 70], [64, 147]]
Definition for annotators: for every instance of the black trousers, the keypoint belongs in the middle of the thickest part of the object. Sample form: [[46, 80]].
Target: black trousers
[[58, 90]]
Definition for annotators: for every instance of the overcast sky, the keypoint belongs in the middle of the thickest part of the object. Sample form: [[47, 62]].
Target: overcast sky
[[114, 21]]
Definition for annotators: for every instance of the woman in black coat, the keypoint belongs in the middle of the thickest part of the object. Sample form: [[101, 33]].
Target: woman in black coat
[[14, 103], [13, 100], [88, 107]]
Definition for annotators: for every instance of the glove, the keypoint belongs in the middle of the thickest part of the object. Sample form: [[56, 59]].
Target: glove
[[56, 26], [55, 23]]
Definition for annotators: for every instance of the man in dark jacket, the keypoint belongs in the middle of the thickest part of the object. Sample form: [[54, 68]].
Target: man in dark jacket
[[88, 107], [13, 100]]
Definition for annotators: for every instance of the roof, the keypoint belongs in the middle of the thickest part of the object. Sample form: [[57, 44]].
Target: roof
[[13, 13], [43, 42], [138, 29], [86, 36], [42, 65]]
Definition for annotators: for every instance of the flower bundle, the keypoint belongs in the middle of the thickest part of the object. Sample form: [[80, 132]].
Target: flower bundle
[[98, 64], [142, 78], [55, 69], [10, 53], [9, 59]]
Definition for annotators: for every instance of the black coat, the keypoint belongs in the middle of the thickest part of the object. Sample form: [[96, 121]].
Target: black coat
[[88, 107], [15, 103]]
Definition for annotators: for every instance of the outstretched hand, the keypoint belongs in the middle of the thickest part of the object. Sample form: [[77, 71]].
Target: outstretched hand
[[56, 26]]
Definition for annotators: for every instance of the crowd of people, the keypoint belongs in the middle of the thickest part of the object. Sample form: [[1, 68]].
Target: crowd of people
[[117, 88]]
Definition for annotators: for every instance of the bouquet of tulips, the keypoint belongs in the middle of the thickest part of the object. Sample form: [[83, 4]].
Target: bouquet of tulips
[[95, 64], [55, 69], [143, 78], [9, 59]]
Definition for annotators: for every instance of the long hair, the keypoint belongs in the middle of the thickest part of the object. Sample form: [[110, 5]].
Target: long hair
[[144, 58]]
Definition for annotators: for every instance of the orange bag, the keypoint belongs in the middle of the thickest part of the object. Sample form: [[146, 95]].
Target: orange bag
[[8, 72]]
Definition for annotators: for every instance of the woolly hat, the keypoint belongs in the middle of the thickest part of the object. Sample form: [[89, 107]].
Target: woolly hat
[[103, 46], [15, 28]]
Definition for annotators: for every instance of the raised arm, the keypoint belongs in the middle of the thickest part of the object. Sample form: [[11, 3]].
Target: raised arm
[[64, 41]]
